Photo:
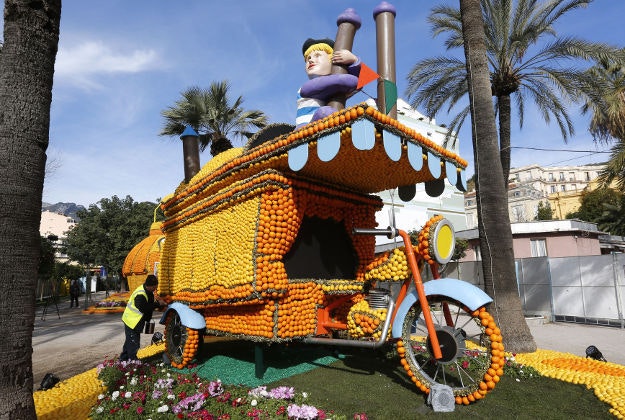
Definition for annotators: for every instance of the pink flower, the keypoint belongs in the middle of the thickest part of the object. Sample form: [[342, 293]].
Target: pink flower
[[139, 410]]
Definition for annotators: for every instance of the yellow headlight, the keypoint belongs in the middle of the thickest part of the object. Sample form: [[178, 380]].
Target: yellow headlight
[[442, 241]]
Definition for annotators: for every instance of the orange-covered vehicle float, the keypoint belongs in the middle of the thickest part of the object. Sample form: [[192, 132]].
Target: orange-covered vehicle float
[[274, 242]]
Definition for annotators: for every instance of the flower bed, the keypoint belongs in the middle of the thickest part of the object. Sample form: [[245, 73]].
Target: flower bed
[[77, 396], [115, 303]]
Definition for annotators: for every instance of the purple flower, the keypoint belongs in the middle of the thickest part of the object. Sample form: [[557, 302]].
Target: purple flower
[[303, 412], [192, 403], [282, 392], [215, 388]]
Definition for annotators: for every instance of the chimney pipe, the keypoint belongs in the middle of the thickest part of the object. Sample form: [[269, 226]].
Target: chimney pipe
[[190, 152], [384, 16]]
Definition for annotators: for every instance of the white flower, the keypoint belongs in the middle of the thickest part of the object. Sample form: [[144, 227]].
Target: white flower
[[162, 409], [121, 387], [114, 395], [128, 394], [133, 381], [518, 380], [253, 403], [101, 396], [99, 409], [305, 394], [171, 396], [168, 374]]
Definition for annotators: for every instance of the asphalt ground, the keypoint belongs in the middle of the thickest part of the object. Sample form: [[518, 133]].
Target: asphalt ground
[[73, 341]]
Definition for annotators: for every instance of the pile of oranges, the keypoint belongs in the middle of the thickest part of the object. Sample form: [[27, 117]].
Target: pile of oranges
[[364, 321], [391, 266]]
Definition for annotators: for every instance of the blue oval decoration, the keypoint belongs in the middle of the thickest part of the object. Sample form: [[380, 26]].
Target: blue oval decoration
[[363, 135], [415, 156], [298, 156], [450, 172], [328, 146], [392, 145], [434, 165], [462, 181]]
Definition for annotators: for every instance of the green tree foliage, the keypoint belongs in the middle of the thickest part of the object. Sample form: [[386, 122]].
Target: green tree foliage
[[67, 271], [212, 114], [549, 74], [605, 207], [608, 118], [108, 231], [544, 211], [46, 259], [591, 204], [612, 220]]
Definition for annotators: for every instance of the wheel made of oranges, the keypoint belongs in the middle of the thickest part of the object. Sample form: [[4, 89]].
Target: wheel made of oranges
[[470, 342], [181, 343]]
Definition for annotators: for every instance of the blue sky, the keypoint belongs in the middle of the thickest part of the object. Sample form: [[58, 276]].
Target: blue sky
[[121, 63]]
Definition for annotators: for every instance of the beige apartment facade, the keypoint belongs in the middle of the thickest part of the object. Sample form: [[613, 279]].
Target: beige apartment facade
[[561, 186]]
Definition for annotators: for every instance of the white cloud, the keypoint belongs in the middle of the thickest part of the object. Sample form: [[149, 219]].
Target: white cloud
[[83, 64]]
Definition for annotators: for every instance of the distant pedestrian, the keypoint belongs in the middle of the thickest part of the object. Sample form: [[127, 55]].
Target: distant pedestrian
[[139, 308], [74, 293]]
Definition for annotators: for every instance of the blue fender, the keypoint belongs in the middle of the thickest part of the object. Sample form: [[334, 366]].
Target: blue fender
[[188, 317], [466, 293]]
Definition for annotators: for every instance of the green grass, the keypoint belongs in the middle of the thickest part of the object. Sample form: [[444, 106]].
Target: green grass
[[373, 382]]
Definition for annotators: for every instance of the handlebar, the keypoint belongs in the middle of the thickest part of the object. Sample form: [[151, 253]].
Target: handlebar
[[389, 232]]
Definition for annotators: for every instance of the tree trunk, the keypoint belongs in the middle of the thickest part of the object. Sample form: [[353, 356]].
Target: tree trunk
[[493, 221], [504, 136], [31, 34]]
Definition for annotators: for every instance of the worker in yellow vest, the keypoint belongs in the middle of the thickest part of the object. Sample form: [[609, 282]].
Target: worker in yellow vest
[[139, 308]]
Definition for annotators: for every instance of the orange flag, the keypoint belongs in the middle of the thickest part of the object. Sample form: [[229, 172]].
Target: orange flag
[[366, 75]]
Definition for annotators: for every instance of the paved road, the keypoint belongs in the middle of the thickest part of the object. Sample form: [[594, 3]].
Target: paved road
[[78, 341]]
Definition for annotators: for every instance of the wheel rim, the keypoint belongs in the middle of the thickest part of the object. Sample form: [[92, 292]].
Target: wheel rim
[[175, 337], [465, 347]]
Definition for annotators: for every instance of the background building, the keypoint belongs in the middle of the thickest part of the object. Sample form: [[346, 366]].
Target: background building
[[561, 186], [412, 215]]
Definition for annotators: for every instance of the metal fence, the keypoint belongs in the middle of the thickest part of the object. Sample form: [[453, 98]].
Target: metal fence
[[589, 289]]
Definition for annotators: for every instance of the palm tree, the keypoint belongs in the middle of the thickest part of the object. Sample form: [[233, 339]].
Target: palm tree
[[608, 118], [213, 116], [493, 225], [548, 75], [31, 36]]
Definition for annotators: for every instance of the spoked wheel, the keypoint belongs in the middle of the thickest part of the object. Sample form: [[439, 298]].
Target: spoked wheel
[[472, 353], [181, 343]]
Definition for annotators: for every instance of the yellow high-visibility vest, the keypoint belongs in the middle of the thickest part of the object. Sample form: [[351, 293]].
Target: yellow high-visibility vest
[[132, 315]]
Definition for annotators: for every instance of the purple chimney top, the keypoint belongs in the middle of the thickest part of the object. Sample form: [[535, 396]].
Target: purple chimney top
[[384, 7], [350, 16]]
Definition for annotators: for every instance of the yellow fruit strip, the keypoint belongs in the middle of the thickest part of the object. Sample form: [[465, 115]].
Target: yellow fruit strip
[[69, 399], [607, 380], [392, 268]]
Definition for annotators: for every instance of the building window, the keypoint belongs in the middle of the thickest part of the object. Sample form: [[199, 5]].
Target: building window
[[563, 187], [561, 176], [518, 213], [469, 202], [551, 178], [587, 176], [553, 188], [478, 253], [571, 176], [539, 247]]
